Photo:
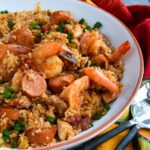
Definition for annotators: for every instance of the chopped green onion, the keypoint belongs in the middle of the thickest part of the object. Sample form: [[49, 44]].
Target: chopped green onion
[[51, 120], [19, 126], [97, 116], [107, 107], [34, 26], [97, 25], [6, 132], [9, 93], [82, 20], [10, 24], [4, 12], [13, 143], [88, 28], [47, 32], [93, 63], [61, 26], [39, 35], [5, 135], [69, 36]]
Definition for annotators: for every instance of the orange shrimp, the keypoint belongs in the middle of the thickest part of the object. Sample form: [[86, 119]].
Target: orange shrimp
[[122, 50], [72, 92], [100, 59], [60, 16], [22, 36], [44, 58], [90, 43], [99, 77], [12, 48]]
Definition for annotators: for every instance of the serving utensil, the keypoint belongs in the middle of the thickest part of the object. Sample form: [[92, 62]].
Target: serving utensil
[[140, 110]]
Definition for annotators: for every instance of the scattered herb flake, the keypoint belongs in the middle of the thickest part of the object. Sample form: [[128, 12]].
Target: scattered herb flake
[[88, 28], [93, 63], [6, 132], [97, 116], [51, 119], [5, 135], [4, 12], [19, 126], [69, 36], [34, 26], [47, 32], [39, 35], [107, 107], [82, 20], [10, 24], [97, 25], [13, 143]]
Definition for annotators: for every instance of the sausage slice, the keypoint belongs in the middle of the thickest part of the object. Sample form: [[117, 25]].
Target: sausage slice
[[12, 114], [41, 136], [33, 84]]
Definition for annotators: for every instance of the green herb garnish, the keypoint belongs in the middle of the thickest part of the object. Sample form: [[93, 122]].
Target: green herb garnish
[[13, 143], [51, 119], [97, 116], [69, 36], [93, 63], [4, 12], [61, 26], [107, 107], [39, 35], [5, 135], [10, 24], [88, 28], [19, 126], [47, 32], [8, 93], [34, 26], [97, 25], [82, 20]]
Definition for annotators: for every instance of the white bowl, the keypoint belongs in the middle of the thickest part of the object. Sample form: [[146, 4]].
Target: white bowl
[[117, 32]]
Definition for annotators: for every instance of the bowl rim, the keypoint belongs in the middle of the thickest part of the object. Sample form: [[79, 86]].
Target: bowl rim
[[115, 117], [96, 131]]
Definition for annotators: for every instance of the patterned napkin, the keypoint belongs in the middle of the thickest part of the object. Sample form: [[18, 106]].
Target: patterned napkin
[[137, 18]]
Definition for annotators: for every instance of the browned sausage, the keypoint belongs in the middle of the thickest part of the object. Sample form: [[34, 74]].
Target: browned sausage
[[12, 114], [57, 83], [22, 36], [41, 136], [33, 84]]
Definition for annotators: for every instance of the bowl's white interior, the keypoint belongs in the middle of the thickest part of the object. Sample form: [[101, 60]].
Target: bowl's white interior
[[111, 28]]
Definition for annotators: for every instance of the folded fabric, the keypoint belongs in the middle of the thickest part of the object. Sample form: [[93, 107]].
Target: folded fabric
[[137, 18]]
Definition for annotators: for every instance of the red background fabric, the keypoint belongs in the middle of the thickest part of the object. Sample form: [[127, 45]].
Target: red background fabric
[[137, 18]]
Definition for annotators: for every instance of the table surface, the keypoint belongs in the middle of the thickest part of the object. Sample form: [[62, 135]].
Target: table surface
[[144, 2]]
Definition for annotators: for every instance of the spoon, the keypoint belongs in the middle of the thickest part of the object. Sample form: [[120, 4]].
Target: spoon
[[140, 111]]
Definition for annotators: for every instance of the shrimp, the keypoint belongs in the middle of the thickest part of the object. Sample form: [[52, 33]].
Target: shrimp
[[90, 43], [122, 50], [22, 36], [100, 59], [60, 16], [12, 48], [16, 80], [100, 78], [72, 93], [44, 58]]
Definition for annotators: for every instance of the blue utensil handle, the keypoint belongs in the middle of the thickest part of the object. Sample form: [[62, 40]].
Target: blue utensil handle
[[128, 138], [90, 145]]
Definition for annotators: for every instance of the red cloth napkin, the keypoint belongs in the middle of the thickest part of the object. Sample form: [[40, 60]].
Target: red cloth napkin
[[137, 18]]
